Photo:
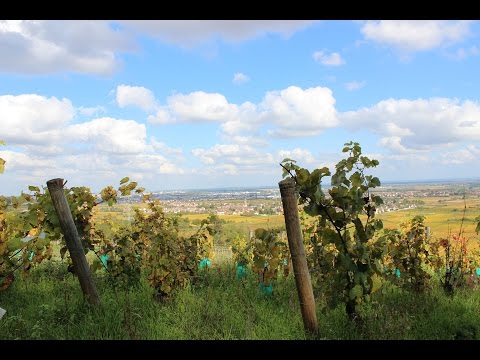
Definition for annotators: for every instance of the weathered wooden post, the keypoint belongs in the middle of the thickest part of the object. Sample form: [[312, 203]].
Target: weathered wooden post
[[80, 265], [299, 260]]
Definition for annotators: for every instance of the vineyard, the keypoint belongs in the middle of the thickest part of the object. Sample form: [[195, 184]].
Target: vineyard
[[329, 269]]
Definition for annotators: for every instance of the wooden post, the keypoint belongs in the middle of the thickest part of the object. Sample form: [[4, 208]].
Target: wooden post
[[80, 265], [299, 260]]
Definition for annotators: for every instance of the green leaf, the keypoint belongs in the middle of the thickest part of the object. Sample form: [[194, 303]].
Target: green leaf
[[377, 200], [378, 224], [124, 180], [355, 292], [2, 165], [356, 179], [374, 182], [376, 283], [360, 230], [302, 175], [34, 188], [14, 244]]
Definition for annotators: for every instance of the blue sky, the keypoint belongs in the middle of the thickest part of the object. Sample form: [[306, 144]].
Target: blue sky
[[201, 104]]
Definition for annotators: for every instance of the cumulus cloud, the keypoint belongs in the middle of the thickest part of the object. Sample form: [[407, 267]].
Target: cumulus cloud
[[90, 111], [407, 124], [416, 35], [289, 112], [354, 85], [234, 158], [200, 106], [332, 59], [248, 140], [298, 112], [51, 46], [161, 147], [196, 106], [135, 96], [461, 156], [111, 135], [188, 33], [18, 161], [240, 78], [46, 144], [33, 119], [151, 163], [298, 154]]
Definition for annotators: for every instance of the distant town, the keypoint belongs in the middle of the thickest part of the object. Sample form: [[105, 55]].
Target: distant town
[[266, 200]]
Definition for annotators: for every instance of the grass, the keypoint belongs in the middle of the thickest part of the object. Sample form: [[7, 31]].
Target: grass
[[49, 305]]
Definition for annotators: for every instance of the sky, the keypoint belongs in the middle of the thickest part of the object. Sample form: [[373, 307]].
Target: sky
[[198, 104]]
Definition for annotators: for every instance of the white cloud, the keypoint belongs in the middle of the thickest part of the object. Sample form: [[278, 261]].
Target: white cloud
[[332, 59], [90, 111], [51, 46], [298, 154], [416, 35], [17, 161], [198, 106], [188, 33], [420, 124], [240, 78], [248, 140], [354, 85], [289, 113], [162, 116], [150, 163], [135, 96], [461, 156], [234, 158], [165, 149], [298, 112], [110, 135], [33, 119]]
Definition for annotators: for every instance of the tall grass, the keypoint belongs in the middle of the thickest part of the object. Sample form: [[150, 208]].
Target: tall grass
[[49, 305]]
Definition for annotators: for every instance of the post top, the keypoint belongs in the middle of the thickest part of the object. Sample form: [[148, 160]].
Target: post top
[[55, 183], [286, 183]]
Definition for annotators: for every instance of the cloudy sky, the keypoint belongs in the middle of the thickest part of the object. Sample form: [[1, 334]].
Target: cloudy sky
[[202, 104]]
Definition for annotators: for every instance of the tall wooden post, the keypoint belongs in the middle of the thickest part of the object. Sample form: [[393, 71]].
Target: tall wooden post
[[80, 265], [299, 260]]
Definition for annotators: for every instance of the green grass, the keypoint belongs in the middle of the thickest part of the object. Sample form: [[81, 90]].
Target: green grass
[[49, 305]]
